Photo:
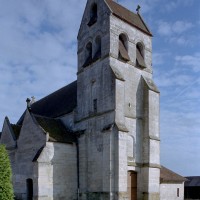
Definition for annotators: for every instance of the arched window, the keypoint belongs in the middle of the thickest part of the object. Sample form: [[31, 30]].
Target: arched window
[[88, 55], [93, 14], [140, 56], [123, 48], [97, 54]]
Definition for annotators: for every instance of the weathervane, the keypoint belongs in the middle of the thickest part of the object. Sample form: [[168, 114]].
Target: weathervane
[[138, 9]]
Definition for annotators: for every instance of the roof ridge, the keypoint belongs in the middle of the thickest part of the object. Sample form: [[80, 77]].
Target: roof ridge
[[128, 16], [53, 92]]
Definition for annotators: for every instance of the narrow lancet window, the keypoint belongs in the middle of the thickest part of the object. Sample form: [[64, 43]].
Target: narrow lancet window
[[95, 105], [93, 15], [97, 49]]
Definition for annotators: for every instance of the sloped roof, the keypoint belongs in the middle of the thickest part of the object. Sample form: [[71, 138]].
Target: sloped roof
[[128, 16], [58, 103], [16, 130], [168, 176], [56, 130], [192, 181]]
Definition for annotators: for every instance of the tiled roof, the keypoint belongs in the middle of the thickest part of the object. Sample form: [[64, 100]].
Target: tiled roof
[[58, 103], [128, 16], [192, 181], [168, 176], [56, 129], [16, 130]]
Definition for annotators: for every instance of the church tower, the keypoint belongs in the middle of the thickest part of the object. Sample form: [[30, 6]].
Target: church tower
[[117, 106]]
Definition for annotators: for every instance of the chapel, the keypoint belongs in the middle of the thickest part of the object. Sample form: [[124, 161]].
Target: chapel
[[98, 137]]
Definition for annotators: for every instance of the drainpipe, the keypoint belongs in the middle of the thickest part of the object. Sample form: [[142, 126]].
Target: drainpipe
[[78, 134], [78, 179]]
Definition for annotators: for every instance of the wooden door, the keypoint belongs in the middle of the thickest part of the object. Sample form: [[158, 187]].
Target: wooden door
[[132, 185]]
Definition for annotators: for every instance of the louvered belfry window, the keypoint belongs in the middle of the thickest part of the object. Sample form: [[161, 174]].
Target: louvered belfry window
[[123, 50], [88, 55], [140, 56]]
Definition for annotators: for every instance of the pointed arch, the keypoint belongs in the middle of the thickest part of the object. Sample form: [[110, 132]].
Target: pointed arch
[[88, 54], [93, 14]]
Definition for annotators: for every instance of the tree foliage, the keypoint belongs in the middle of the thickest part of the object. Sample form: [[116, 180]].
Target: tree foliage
[[6, 188]]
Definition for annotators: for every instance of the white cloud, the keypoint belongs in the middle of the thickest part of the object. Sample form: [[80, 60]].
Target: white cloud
[[38, 50], [169, 6], [177, 27], [192, 61], [181, 26]]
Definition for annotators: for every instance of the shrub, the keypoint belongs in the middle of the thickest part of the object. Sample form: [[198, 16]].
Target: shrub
[[6, 188]]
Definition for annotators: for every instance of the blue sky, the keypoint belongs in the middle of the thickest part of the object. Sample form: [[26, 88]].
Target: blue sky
[[38, 56]]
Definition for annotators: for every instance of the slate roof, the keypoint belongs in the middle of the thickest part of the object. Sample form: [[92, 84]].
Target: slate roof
[[58, 103], [192, 181], [56, 130], [128, 16], [168, 176], [16, 130]]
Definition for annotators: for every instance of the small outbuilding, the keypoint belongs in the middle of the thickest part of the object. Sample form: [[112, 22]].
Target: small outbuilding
[[171, 185], [192, 188]]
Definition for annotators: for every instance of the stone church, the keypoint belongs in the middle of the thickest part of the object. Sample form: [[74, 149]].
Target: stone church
[[98, 137]]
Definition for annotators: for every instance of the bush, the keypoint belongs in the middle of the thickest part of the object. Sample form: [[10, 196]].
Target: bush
[[6, 188]]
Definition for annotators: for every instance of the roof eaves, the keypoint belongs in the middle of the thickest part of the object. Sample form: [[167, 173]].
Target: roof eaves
[[145, 25], [146, 32]]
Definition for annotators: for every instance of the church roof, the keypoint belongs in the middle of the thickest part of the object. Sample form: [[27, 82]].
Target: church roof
[[168, 176], [16, 130], [192, 181], [128, 16], [58, 103], [56, 130]]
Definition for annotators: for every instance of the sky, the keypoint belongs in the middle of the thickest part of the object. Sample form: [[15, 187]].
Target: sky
[[38, 45]]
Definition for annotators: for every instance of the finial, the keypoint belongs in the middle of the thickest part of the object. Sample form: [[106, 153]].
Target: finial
[[138, 9], [28, 101]]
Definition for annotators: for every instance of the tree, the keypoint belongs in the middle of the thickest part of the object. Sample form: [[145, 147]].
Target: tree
[[6, 188]]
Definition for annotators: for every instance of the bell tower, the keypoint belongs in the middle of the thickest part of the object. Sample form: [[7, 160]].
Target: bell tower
[[117, 106]]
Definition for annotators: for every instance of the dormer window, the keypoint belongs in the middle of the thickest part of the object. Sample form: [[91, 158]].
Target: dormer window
[[88, 55], [123, 48], [93, 15], [97, 54], [140, 56]]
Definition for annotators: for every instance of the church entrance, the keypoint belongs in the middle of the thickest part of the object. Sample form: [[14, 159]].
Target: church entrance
[[132, 185], [29, 186]]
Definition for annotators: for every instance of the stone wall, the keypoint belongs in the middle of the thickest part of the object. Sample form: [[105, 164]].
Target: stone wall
[[57, 172], [31, 139], [169, 191]]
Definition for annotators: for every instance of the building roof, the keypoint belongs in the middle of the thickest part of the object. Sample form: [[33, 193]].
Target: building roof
[[58, 103], [192, 181], [128, 16], [56, 130], [168, 176], [16, 130]]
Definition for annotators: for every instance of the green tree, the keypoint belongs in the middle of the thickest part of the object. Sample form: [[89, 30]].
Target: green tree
[[6, 188]]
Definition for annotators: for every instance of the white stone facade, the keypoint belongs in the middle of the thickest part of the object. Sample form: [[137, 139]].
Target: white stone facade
[[172, 191]]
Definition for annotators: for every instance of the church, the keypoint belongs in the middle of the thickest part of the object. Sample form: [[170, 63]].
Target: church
[[98, 137]]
